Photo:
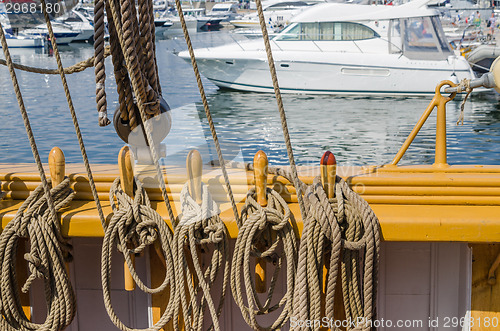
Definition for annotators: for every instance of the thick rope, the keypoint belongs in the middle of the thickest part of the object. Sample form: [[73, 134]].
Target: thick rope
[[126, 41], [267, 227], [463, 86], [201, 227], [281, 108], [136, 224], [100, 70], [46, 260], [57, 278], [78, 67], [347, 225], [222, 163]]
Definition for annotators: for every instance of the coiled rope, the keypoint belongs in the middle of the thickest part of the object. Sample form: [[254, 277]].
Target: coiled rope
[[135, 223], [262, 224], [48, 253], [201, 226], [56, 281], [345, 224]]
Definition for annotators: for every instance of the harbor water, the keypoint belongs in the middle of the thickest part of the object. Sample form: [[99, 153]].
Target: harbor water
[[358, 130]]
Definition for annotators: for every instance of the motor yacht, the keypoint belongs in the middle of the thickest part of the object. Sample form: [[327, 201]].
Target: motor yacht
[[336, 48], [276, 13], [78, 22], [63, 33]]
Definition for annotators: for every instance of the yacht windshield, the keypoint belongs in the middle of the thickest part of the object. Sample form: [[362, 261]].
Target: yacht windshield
[[339, 31], [424, 39]]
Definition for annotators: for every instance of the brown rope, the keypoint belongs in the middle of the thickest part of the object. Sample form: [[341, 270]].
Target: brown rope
[[201, 229], [135, 224], [46, 259], [258, 227], [50, 216], [344, 224], [78, 67], [73, 117], [100, 70]]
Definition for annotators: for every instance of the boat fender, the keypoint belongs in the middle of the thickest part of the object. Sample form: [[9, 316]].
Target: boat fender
[[160, 125]]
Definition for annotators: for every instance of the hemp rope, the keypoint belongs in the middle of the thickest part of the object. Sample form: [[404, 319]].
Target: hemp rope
[[125, 39], [464, 85], [78, 67], [51, 214], [201, 226], [100, 70], [222, 163], [344, 224], [135, 223], [48, 253], [262, 224], [73, 116]]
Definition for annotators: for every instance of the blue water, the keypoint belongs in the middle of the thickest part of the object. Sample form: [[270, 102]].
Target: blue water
[[358, 130]]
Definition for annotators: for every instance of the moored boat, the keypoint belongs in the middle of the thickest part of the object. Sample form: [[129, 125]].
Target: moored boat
[[343, 49]]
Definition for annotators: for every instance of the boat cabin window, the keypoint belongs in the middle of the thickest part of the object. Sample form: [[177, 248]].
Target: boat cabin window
[[424, 39], [339, 31]]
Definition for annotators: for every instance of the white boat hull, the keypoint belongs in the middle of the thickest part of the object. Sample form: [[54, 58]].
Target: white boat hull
[[343, 73], [25, 43]]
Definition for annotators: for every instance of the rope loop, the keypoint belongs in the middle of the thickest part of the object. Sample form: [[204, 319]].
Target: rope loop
[[267, 227], [48, 252], [134, 226], [344, 224], [201, 227]]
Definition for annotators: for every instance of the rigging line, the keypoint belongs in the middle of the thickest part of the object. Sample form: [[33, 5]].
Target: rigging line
[[207, 112], [27, 125], [73, 116], [281, 109], [78, 67], [127, 50]]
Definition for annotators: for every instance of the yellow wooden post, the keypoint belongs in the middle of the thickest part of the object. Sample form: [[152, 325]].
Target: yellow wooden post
[[57, 167], [127, 185], [260, 174], [194, 167], [328, 169]]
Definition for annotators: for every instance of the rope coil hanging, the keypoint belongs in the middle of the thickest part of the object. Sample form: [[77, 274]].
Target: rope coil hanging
[[263, 223], [344, 224], [47, 256], [136, 224], [201, 226], [133, 52]]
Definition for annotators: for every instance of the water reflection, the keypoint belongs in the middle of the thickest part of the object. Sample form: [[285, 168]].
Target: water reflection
[[359, 130]]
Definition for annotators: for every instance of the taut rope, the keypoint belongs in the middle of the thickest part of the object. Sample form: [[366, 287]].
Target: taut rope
[[222, 163], [135, 223], [344, 224], [201, 226], [281, 108], [271, 226]]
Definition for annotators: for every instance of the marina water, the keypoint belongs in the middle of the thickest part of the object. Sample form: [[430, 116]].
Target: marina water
[[358, 130]]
